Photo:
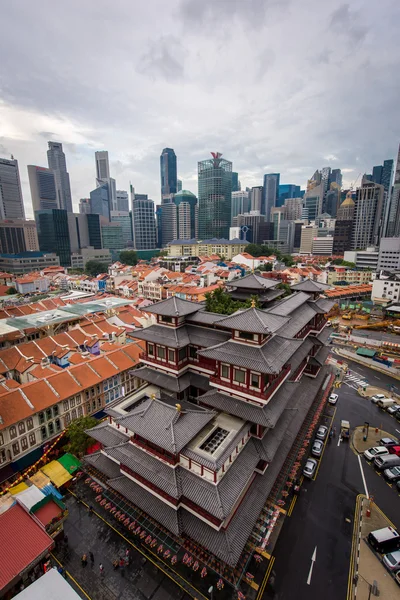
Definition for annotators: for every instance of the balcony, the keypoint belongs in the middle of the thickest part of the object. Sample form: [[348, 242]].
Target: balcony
[[265, 395]]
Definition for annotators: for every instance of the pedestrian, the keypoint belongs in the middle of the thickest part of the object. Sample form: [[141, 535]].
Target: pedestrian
[[101, 570], [65, 539], [127, 556], [115, 564], [90, 509], [91, 558], [122, 566], [84, 560]]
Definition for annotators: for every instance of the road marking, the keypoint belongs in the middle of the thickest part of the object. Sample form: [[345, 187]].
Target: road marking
[[363, 477], [291, 507], [397, 430], [313, 559], [339, 440], [265, 580]]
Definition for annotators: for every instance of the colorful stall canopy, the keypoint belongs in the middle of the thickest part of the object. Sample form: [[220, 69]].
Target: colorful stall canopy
[[69, 462], [56, 472]]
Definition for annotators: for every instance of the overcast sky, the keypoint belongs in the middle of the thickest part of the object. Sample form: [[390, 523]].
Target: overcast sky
[[283, 86]]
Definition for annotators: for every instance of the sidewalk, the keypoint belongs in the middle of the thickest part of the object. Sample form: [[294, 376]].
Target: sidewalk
[[366, 565], [372, 440], [367, 362]]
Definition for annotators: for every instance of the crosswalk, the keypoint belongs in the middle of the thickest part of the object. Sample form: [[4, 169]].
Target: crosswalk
[[354, 380]]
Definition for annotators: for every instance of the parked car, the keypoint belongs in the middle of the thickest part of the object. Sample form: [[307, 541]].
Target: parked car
[[333, 398], [386, 462], [384, 540], [377, 397], [310, 468], [392, 410], [392, 560], [322, 432], [317, 447], [392, 474], [385, 403], [387, 442], [398, 486], [397, 577], [394, 450], [372, 453]]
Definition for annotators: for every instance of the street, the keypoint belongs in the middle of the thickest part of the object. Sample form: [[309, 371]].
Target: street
[[322, 520]]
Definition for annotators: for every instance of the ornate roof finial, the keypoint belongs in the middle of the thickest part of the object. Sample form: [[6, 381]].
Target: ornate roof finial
[[253, 303], [178, 407], [153, 396]]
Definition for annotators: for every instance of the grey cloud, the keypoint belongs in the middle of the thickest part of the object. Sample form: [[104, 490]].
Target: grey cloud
[[345, 20], [163, 58]]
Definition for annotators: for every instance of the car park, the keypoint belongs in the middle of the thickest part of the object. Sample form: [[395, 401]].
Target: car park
[[310, 468], [387, 442], [321, 432], [392, 410], [392, 560], [392, 474], [333, 398], [317, 447], [375, 399], [372, 453]]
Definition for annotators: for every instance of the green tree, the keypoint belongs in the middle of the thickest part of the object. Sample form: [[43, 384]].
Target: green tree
[[286, 287], [11, 291], [287, 260], [265, 267], [79, 441], [128, 257], [75, 271], [94, 267], [221, 302], [261, 250]]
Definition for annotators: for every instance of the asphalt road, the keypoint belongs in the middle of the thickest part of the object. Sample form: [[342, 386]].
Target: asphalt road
[[323, 515], [373, 377]]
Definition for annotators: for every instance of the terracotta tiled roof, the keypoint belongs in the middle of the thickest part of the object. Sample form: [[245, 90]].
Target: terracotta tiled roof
[[25, 541]]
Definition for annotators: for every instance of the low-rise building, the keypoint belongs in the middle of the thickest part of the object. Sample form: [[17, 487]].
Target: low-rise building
[[323, 245], [386, 288], [25, 262], [363, 259], [31, 284], [80, 258], [389, 254], [351, 276], [222, 247]]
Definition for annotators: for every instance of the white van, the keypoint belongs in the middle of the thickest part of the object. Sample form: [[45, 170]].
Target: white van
[[386, 462], [385, 402]]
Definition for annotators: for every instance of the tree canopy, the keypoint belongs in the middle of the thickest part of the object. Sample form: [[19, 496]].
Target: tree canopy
[[257, 250], [95, 267], [343, 263], [79, 441], [222, 302], [128, 257], [11, 291]]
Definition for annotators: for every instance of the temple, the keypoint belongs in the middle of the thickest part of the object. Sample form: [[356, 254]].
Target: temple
[[199, 446]]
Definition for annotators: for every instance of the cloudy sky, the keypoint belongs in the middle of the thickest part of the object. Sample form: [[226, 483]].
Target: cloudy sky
[[283, 86]]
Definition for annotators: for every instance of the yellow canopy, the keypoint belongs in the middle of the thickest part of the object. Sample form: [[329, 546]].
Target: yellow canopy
[[18, 488], [39, 479], [56, 472]]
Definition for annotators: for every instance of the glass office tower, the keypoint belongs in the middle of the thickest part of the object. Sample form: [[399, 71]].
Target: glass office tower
[[215, 197]]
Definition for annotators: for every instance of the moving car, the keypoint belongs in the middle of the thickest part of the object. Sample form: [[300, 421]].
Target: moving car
[[387, 442], [372, 453], [392, 410], [384, 540], [392, 560], [317, 448], [310, 468], [333, 398], [375, 399], [344, 429], [392, 474], [322, 432]]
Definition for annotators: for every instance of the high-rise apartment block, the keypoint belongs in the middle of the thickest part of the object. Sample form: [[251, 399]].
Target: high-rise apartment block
[[144, 222], [368, 215], [270, 193], [43, 188], [57, 163], [215, 197], [11, 201], [168, 172], [18, 235]]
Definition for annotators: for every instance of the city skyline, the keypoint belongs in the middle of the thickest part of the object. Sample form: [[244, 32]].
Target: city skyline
[[298, 117]]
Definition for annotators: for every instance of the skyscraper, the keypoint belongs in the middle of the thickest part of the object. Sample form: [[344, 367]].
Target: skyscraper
[[344, 226], [186, 203], [215, 197], [240, 203], [84, 206], [270, 193], [18, 235], [11, 202], [368, 215], [122, 201], [393, 226], [179, 185], [294, 208], [53, 233], [387, 173], [123, 218], [57, 163], [43, 188], [168, 172], [335, 177], [313, 199], [103, 177], [100, 201], [256, 198], [235, 182], [144, 222], [287, 190]]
